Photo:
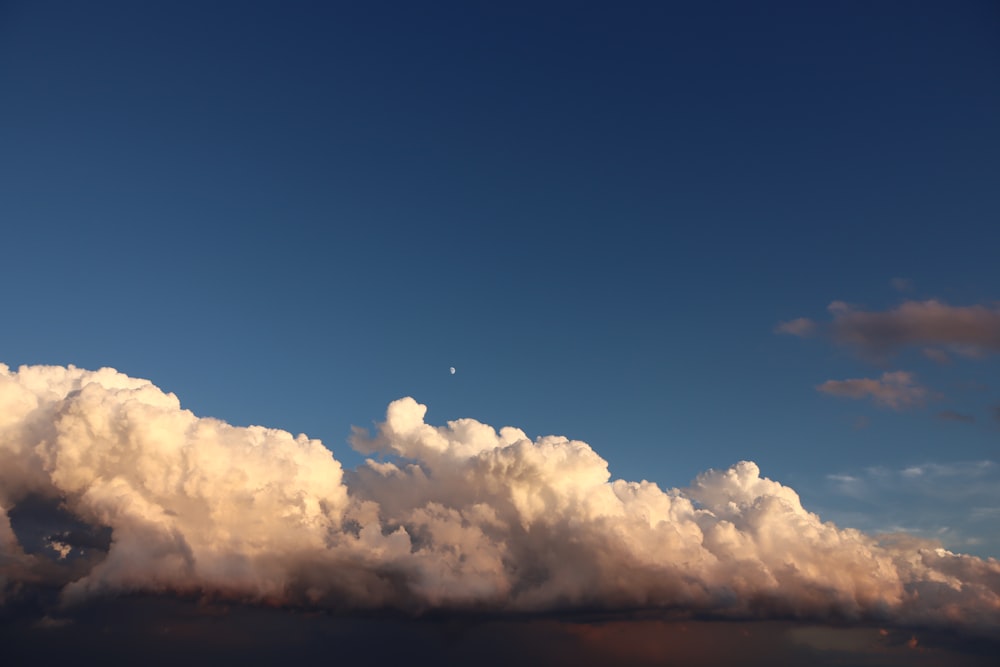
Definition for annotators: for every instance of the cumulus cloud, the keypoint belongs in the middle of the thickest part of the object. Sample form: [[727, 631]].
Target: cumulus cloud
[[897, 390], [459, 516]]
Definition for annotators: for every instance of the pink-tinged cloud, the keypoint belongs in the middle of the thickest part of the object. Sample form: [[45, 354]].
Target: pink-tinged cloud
[[897, 390], [801, 327], [968, 330], [458, 517]]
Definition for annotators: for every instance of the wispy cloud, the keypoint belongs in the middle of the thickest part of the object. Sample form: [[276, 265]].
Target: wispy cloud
[[901, 284], [972, 385], [968, 330], [849, 485], [929, 499], [959, 469], [937, 355], [801, 327], [897, 390], [951, 415]]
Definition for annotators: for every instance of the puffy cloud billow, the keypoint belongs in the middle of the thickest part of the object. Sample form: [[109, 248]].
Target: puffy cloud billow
[[454, 517]]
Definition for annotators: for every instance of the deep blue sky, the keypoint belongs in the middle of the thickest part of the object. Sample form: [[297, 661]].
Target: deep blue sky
[[293, 213]]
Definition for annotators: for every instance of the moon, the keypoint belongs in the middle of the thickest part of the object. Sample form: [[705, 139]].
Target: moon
[[451, 370]]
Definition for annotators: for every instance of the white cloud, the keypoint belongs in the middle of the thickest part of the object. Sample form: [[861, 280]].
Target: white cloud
[[456, 516]]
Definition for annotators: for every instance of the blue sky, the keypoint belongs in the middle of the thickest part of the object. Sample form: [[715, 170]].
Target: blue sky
[[293, 214]]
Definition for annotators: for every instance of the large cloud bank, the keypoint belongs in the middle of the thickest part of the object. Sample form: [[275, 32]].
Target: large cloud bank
[[449, 517]]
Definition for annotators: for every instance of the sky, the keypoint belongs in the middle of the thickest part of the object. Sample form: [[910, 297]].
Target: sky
[[685, 234]]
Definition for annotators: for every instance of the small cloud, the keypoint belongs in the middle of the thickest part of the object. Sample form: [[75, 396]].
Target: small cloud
[[985, 513], [972, 385], [897, 390], [970, 331], [953, 504], [838, 307], [60, 548], [801, 327], [901, 284], [47, 622], [959, 469], [862, 422], [951, 415], [848, 485], [936, 355], [969, 351]]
